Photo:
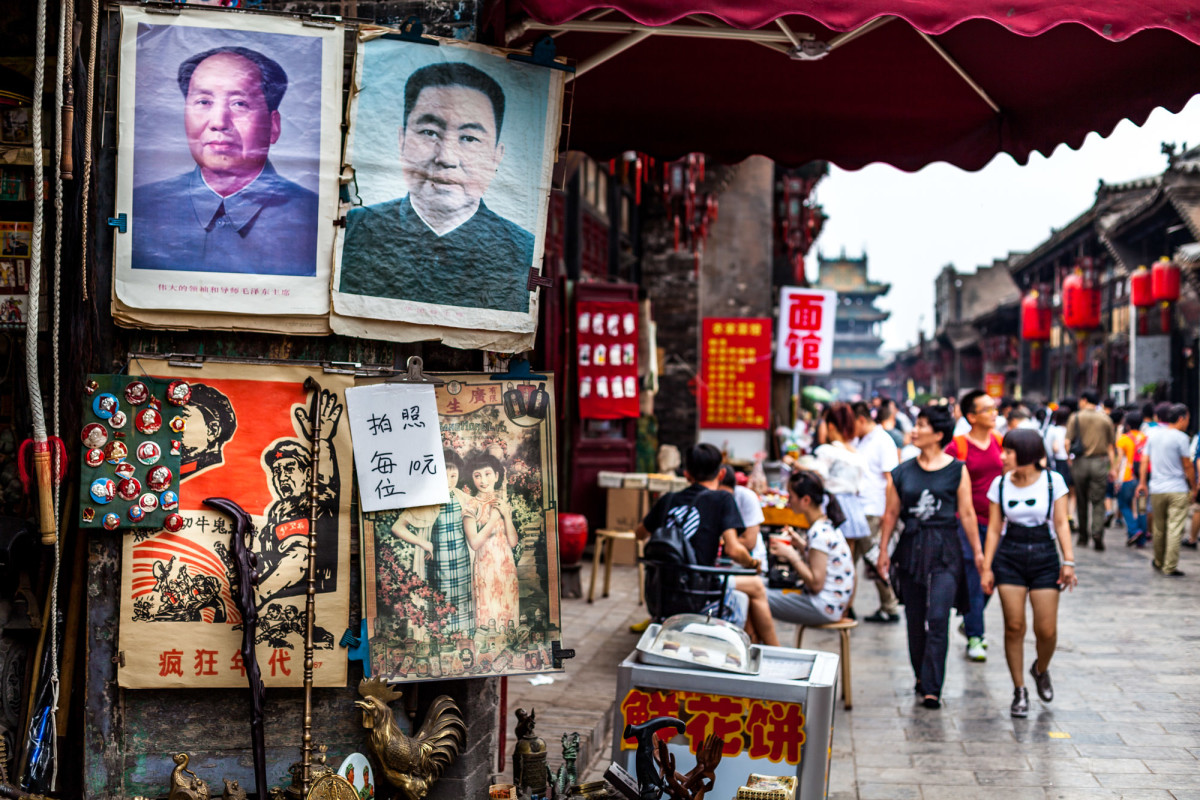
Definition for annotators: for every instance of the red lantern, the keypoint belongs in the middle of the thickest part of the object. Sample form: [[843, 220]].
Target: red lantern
[[572, 538], [1140, 293], [1080, 302], [1035, 318], [1165, 281]]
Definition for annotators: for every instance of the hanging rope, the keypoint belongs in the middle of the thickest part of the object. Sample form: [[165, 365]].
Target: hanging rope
[[87, 143], [48, 517]]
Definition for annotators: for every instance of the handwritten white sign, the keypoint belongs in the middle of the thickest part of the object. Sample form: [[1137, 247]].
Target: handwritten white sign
[[397, 446]]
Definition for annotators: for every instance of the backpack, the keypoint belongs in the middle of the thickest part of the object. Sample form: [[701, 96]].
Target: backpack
[[668, 544], [961, 444]]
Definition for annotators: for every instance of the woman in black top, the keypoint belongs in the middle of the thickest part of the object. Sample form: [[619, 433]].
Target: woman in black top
[[932, 494]]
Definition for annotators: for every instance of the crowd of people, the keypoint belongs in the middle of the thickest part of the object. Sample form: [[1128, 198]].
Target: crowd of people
[[942, 507]]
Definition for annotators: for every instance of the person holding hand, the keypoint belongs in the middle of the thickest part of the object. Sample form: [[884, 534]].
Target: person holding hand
[[1027, 516], [932, 494], [820, 557]]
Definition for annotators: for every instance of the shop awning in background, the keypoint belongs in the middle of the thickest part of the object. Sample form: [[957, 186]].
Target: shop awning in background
[[853, 82]]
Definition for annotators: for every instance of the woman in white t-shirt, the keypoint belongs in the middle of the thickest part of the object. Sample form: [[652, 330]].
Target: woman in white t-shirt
[[1028, 514], [844, 469], [820, 557]]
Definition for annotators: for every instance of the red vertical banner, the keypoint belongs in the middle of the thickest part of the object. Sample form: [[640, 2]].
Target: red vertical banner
[[606, 349], [735, 362]]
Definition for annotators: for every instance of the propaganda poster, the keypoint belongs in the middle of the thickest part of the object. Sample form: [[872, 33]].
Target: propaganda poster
[[471, 587], [227, 160], [452, 149], [247, 437]]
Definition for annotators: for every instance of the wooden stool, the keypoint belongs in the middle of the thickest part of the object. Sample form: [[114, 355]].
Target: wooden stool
[[605, 539], [843, 627]]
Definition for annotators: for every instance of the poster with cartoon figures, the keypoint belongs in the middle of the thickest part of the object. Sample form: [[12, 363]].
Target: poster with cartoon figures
[[470, 588], [247, 438]]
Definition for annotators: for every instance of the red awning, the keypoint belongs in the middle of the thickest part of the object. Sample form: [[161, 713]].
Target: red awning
[[907, 83]]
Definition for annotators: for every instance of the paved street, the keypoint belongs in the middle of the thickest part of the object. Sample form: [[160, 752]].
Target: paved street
[[1125, 721]]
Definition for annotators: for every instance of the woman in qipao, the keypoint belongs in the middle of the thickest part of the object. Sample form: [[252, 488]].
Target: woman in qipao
[[491, 534]]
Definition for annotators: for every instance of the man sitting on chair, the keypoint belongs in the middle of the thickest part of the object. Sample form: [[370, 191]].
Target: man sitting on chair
[[711, 523]]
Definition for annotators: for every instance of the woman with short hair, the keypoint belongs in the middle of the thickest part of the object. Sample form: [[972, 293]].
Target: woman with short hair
[[1021, 559], [932, 493]]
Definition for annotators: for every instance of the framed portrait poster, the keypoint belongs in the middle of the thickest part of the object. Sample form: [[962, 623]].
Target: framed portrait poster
[[227, 160], [246, 436], [452, 150], [470, 588]]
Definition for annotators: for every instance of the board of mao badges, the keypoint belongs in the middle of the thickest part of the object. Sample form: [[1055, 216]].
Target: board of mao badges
[[131, 438]]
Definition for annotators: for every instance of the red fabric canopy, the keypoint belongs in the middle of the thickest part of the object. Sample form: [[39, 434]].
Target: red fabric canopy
[[1055, 72]]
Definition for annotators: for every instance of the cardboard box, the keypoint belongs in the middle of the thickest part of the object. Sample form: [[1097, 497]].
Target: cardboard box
[[626, 508]]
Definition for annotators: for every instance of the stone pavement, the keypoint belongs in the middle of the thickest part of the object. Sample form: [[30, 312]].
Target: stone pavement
[[1125, 721]]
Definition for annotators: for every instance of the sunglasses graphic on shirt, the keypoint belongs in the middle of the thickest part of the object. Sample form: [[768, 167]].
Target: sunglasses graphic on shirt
[[1030, 502]]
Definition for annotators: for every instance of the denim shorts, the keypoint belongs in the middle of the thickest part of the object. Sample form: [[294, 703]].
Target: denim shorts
[[1027, 557]]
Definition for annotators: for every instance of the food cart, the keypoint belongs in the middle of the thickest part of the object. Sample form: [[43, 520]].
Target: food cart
[[773, 706]]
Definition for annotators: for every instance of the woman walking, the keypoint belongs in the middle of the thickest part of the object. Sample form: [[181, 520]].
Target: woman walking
[[932, 494], [1028, 513]]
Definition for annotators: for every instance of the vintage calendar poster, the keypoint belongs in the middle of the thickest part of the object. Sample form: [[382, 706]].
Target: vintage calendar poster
[[471, 587], [247, 437]]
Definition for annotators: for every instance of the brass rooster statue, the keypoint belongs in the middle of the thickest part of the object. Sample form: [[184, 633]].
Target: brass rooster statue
[[411, 764]]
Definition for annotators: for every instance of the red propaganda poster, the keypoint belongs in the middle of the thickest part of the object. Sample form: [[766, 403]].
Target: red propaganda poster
[[804, 342], [735, 388], [993, 383], [246, 435], [606, 341]]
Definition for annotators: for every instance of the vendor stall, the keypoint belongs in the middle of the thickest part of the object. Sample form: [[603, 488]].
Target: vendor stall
[[772, 706]]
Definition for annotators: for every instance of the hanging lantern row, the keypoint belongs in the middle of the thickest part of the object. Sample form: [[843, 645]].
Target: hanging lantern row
[[1158, 285]]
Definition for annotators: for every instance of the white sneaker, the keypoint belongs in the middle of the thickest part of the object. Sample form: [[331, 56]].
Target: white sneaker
[[976, 649]]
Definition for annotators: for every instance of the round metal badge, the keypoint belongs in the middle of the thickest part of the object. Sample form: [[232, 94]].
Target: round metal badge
[[118, 420], [115, 452], [105, 405], [168, 501], [148, 421], [103, 490], [112, 521], [94, 457], [94, 434], [136, 393], [149, 453], [148, 502], [129, 489], [179, 393], [136, 514], [173, 523], [159, 479]]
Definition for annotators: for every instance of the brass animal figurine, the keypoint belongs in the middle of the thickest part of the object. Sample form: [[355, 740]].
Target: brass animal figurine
[[567, 775], [411, 763], [233, 791], [699, 781], [185, 784]]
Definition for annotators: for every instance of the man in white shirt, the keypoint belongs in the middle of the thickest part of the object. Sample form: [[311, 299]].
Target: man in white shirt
[[879, 451], [1167, 463], [750, 508]]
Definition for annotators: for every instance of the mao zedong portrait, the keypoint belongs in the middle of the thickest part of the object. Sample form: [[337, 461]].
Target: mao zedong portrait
[[233, 212], [441, 243]]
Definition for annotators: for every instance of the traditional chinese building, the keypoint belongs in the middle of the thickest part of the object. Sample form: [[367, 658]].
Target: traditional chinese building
[[857, 363]]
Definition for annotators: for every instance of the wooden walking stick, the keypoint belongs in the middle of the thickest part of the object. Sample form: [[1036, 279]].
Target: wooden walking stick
[[310, 597]]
